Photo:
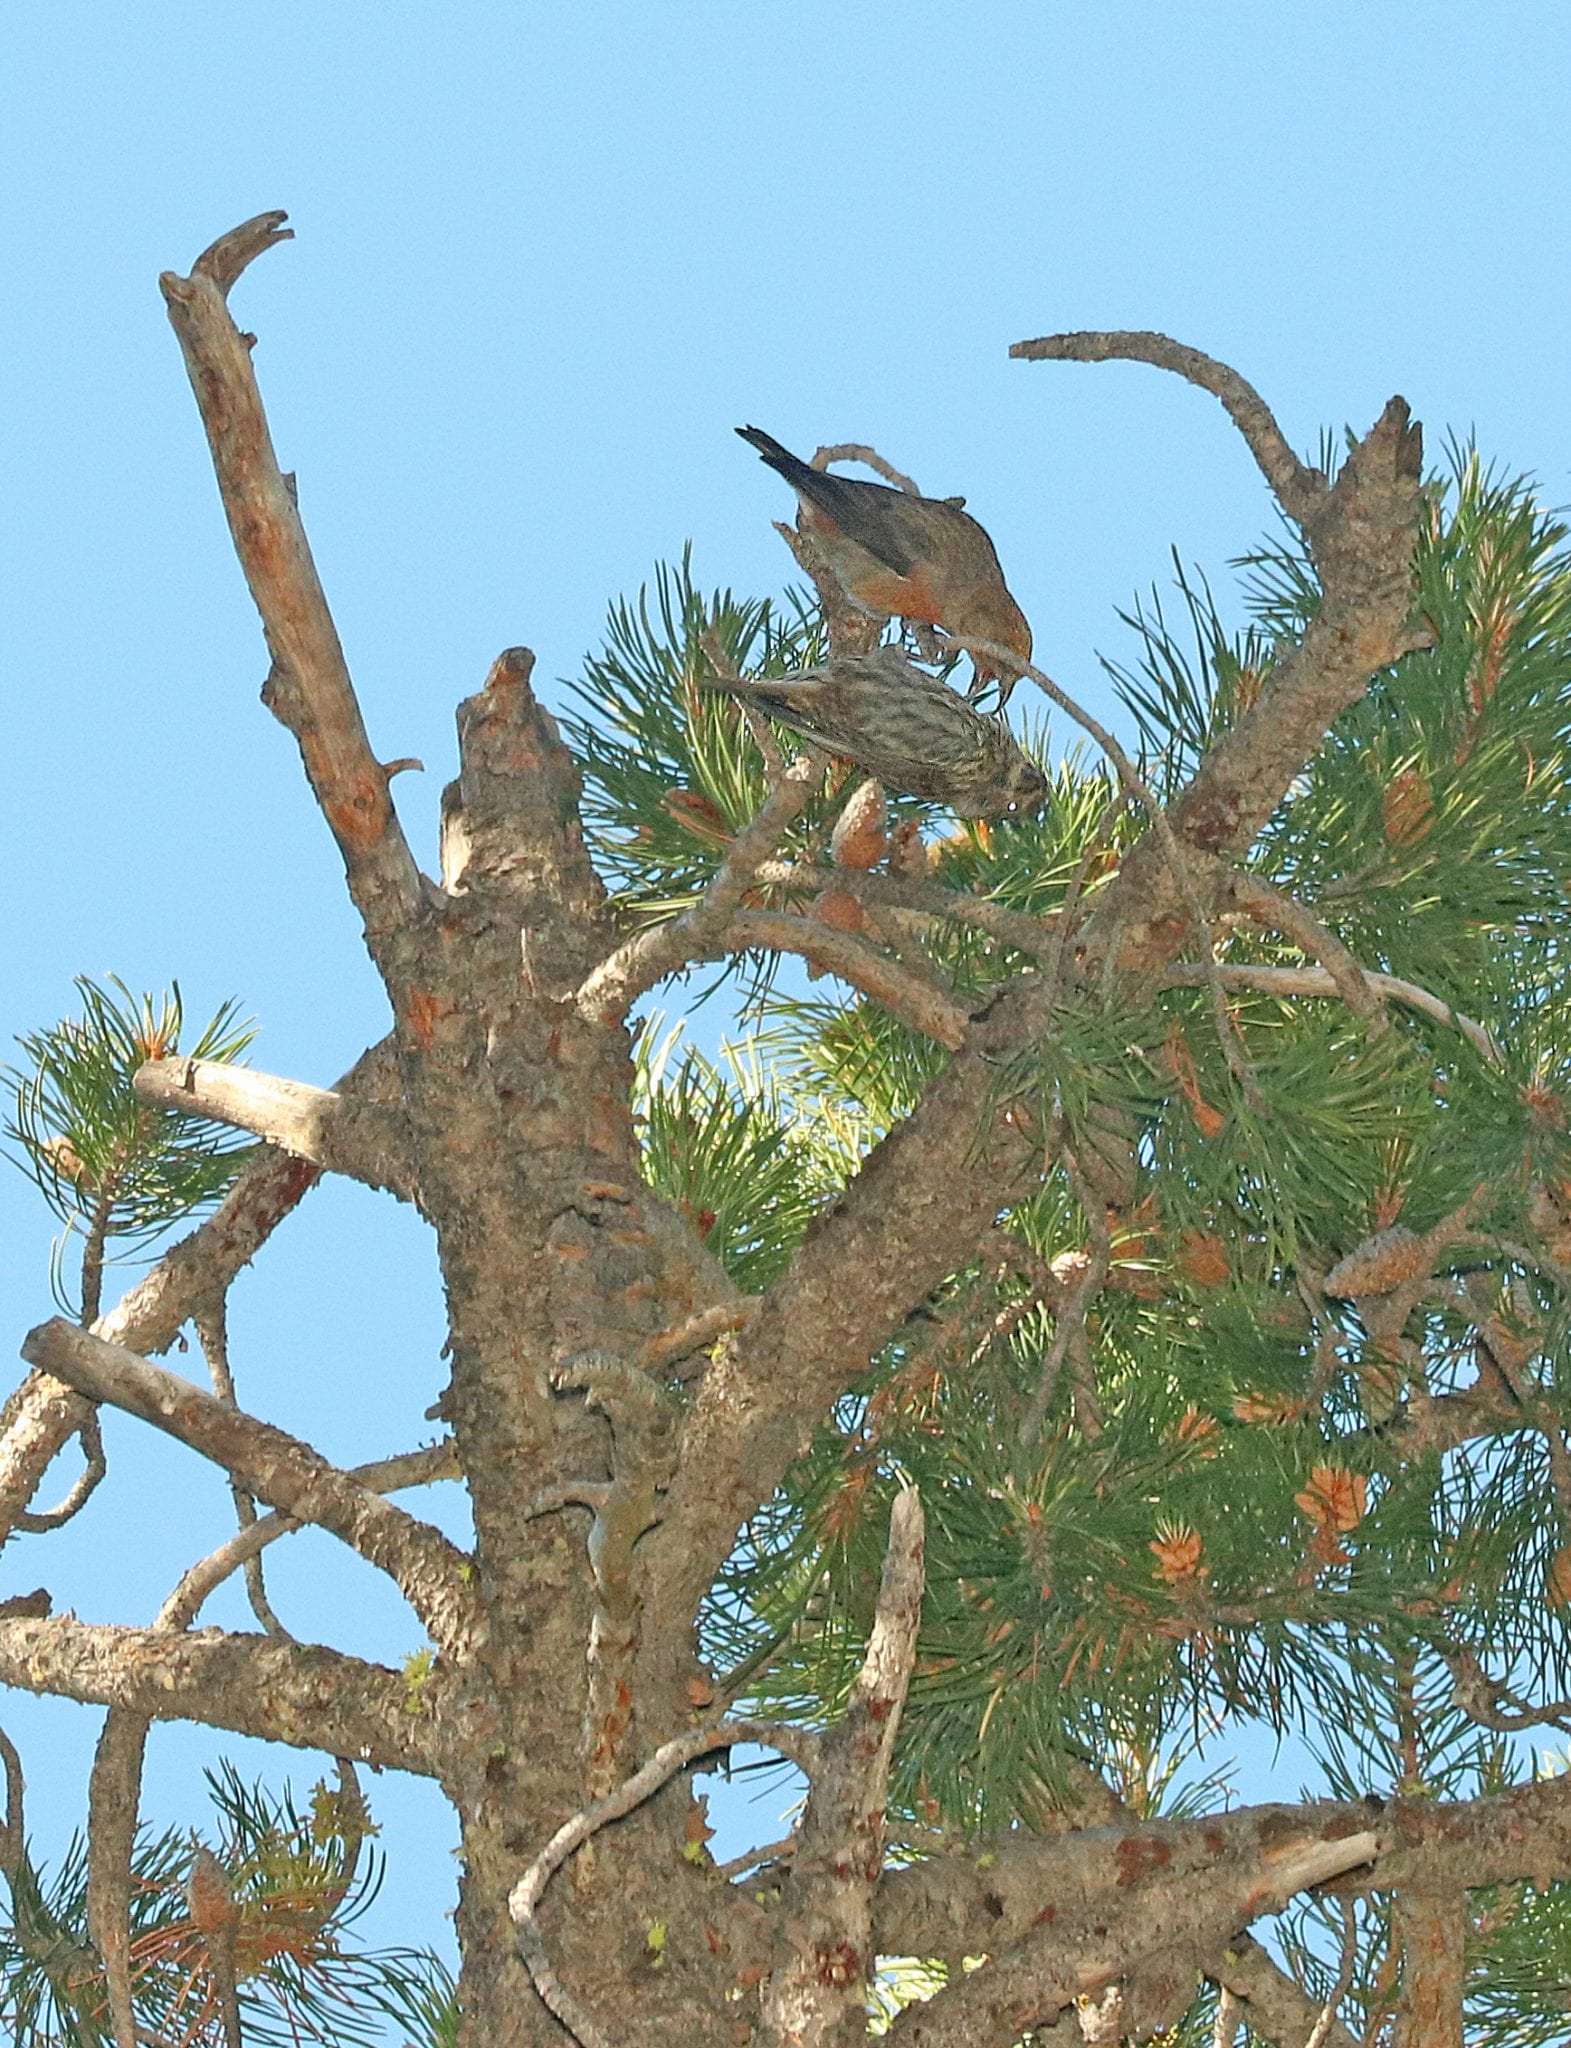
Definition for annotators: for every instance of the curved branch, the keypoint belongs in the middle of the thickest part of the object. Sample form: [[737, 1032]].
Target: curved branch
[[381, 1475], [1300, 490], [524, 1900], [363, 1140], [905, 995], [427, 1569], [310, 689], [298, 1693], [82, 1488]]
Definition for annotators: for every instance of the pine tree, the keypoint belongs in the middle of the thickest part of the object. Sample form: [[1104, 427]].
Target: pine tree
[[1109, 1297]]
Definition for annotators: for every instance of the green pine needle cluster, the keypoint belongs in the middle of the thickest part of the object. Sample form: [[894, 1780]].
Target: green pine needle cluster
[[298, 1882], [117, 1172], [1231, 1514]]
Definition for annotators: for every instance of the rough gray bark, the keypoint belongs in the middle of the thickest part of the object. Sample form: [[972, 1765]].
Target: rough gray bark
[[500, 1105]]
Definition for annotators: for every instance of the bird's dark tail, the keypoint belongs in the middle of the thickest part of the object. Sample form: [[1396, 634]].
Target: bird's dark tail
[[799, 474]]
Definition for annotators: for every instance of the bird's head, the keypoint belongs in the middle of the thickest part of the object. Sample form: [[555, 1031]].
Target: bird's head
[[995, 617], [1025, 789]]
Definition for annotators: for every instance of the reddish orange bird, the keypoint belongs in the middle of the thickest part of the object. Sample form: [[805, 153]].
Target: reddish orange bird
[[907, 556]]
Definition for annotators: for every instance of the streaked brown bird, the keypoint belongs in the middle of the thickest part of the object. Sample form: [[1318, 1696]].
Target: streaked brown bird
[[907, 556], [904, 726]]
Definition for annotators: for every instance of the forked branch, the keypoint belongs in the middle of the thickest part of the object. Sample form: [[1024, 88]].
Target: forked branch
[[275, 1467]]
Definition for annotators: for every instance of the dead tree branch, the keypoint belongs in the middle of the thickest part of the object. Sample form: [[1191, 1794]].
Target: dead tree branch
[[1319, 981], [310, 689], [818, 1996], [673, 1756], [362, 1140], [1300, 490]]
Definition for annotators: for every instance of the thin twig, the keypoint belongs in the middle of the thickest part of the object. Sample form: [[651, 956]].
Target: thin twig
[[82, 1488], [1346, 1968], [213, 1335], [524, 1900], [1228, 1033], [1072, 1316]]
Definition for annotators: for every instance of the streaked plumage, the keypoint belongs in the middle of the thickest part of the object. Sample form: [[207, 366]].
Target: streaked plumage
[[907, 728]]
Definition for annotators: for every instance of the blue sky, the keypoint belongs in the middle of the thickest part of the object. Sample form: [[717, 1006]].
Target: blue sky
[[548, 257]]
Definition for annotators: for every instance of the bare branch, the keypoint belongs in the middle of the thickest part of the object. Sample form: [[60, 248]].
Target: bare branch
[[82, 1488], [310, 687], [818, 1996], [298, 1693], [1300, 490], [1296, 921], [1318, 981], [276, 1467], [524, 1900], [362, 1140], [13, 1837], [859, 451], [662, 949], [212, 1329], [1015, 928]]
